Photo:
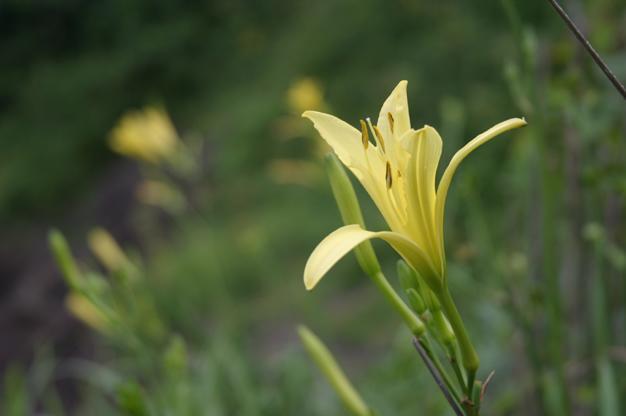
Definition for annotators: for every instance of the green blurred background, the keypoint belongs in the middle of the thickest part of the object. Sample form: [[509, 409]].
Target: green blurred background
[[535, 231]]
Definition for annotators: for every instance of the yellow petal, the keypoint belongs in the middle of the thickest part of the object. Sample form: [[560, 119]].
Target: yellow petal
[[444, 183], [341, 241], [422, 170], [344, 139], [398, 106]]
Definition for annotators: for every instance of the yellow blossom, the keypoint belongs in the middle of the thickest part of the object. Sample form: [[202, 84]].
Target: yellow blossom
[[397, 166], [148, 135]]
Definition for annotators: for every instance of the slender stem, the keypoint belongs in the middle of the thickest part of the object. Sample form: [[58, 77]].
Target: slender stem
[[433, 371], [594, 55], [437, 363], [471, 362], [412, 321], [454, 362]]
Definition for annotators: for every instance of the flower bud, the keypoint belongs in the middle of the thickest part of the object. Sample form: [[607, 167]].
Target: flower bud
[[82, 308], [350, 211], [406, 275], [416, 301], [443, 328], [336, 377], [64, 258], [106, 249]]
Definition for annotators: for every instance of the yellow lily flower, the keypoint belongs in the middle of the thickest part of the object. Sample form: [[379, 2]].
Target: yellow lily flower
[[147, 135], [398, 171]]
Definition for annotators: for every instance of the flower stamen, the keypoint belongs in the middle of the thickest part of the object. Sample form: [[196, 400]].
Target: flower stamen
[[391, 122], [388, 176], [377, 135], [365, 137]]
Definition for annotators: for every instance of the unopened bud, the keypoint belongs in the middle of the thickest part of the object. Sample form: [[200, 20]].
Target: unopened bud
[[64, 259], [335, 376], [407, 276], [350, 211], [416, 301], [443, 328], [106, 249]]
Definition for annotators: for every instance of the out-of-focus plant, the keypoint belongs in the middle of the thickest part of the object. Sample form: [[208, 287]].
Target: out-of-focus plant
[[110, 303], [154, 370], [171, 165], [303, 94], [399, 171]]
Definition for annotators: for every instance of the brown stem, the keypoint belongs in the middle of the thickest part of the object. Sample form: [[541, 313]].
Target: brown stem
[[594, 55], [438, 379]]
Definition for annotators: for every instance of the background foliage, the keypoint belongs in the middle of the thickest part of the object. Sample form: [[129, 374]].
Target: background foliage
[[535, 230]]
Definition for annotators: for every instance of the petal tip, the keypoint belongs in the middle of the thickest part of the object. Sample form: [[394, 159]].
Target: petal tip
[[309, 283]]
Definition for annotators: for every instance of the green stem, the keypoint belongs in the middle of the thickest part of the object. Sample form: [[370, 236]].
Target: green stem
[[446, 338], [454, 363], [412, 321], [471, 362]]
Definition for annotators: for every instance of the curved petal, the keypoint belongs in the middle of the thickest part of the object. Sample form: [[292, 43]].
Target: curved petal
[[341, 241], [422, 170], [344, 139], [446, 179], [397, 104]]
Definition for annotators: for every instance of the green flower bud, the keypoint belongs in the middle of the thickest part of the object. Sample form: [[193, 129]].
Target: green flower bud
[[336, 377], [407, 276], [64, 259], [444, 330], [350, 211], [416, 301]]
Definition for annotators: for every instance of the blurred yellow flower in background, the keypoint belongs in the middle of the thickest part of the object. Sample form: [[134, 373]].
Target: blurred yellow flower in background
[[305, 94], [83, 309], [147, 135], [106, 249]]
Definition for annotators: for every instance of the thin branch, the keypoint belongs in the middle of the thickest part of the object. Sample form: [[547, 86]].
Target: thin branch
[[433, 371], [583, 40]]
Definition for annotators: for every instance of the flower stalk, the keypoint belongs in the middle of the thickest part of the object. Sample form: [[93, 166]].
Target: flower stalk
[[470, 358]]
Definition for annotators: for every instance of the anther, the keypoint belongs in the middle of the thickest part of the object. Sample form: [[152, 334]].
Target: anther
[[391, 121], [379, 136], [388, 178], [365, 137]]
